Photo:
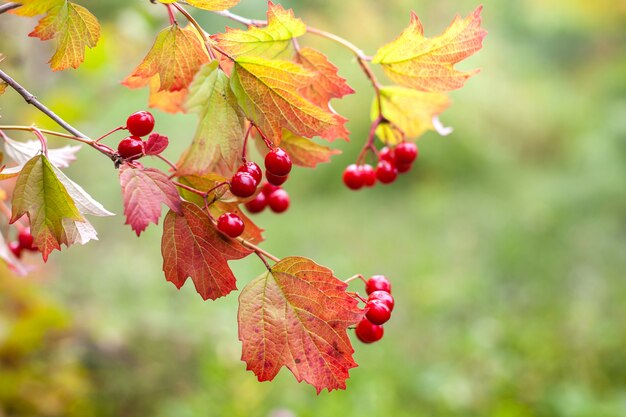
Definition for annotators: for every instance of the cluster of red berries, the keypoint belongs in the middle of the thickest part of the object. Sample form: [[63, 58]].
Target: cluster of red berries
[[25, 241], [379, 306], [391, 162], [138, 124], [271, 195]]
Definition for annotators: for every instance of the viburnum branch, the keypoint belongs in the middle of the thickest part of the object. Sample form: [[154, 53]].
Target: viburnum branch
[[9, 6], [201, 32]]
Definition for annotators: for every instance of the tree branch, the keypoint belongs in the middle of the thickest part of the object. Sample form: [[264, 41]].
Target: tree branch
[[9, 6]]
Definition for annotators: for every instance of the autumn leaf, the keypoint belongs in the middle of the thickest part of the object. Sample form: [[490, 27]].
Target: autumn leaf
[[427, 64], [213, 5], [175, 57], [408, 110], [30, 8], [326, 83], [251, 232], [3, 87], [270, 41], [22, 152], [303, 152], [144, 190], [268, 92], [39, 193], [156, 144], [218, 142], [296, 315], [74, 28], [168, 101], [204, 183], [192, 247]]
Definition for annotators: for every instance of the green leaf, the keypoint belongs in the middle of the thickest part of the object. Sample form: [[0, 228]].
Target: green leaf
[[39, 194], [218, 143]]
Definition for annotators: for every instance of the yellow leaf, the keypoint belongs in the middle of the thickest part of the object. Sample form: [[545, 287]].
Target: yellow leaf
[[268, 93], [30, 8], [271, 41], [427, 63], [409, 111], [213, 5], [74, 27]]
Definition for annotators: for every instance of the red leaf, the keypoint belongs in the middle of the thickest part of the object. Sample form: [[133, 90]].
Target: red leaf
[[143, 190], [296, 315], [192, 247], [156, 144]]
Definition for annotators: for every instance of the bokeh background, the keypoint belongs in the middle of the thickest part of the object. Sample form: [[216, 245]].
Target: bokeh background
[[506, 245]]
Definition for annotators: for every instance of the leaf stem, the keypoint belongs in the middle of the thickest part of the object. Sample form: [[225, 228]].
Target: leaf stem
[[258, 251], [170, 13], [168, 162], [195, 24], [42, 139]]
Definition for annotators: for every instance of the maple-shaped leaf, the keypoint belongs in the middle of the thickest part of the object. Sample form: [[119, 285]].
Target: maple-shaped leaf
[[428, 63], [156, 144], [193, 247], [303, 152], [270, 41], [408, 110], [39, 193], [296, 315], [74, 28], [218, 143], [175, 57], [251, 232], [269, 93], [30, 8], [144, 190], [326, 84], [22, 152], [213, 5]]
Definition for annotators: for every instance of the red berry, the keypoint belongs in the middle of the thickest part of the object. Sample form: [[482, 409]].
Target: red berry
[[368, 332], [387, 154], [275, 179], [16, 249], [369, 175], [243, 184], [278, 162], [26, 240], [386, 172], [378, 312], [383, 296], [258, 204], [406, 153], [279, 201], [130, 147], [253, 169], [269, 188], [377, 283], [140, 123], [402, 167], [230, 224], [353, 177]]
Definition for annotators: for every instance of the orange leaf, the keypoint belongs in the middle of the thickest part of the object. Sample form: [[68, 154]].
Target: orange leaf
[[427, 63], [213, 5], [304, 152], [296, 315], [192, 247], [175, 57], [168, 101], [268, 92]]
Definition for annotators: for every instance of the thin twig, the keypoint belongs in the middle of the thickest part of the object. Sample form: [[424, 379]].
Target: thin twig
[[9, 6], [195, 24]]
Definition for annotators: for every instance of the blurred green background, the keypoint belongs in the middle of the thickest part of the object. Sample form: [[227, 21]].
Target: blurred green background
[[506, 245]]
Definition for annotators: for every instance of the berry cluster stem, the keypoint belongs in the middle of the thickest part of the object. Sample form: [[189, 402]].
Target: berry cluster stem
[[369, 145]]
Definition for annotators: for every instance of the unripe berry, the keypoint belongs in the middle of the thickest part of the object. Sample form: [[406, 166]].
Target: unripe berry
[[243, 184], [275, 179], [253, 169], [230, 224], [383, 296], [130, 148], [278, 162], [278, 201], [140, 123], [377, 283], [386, 172], [406, 153], [258, 204], [378, 312], [368, 332], [369, 175], [353, 177]]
